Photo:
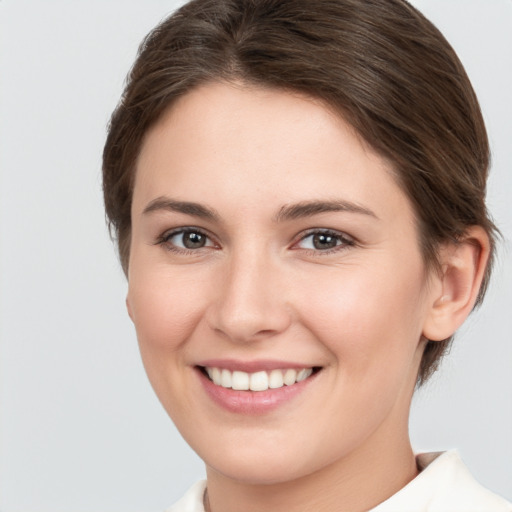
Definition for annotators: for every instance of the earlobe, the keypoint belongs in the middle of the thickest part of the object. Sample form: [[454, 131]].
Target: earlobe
[[454, 294]]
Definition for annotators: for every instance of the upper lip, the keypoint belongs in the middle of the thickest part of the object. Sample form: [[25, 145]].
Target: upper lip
[[252, 366]]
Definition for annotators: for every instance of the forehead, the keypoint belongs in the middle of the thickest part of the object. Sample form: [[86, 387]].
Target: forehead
[[247, 145]]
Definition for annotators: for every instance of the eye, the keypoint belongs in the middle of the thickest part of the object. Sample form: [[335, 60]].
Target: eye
[[324, 240], [186, 239]]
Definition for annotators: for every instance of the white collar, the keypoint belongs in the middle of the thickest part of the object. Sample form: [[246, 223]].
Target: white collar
[[443, 485]]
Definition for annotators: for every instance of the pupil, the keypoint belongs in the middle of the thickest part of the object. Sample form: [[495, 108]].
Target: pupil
[[193, 240], [323, 241]]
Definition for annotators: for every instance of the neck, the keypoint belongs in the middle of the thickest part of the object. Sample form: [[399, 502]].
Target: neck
[[357, 483]]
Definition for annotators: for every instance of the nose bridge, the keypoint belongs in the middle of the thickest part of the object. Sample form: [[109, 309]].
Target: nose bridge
[[250, 305]]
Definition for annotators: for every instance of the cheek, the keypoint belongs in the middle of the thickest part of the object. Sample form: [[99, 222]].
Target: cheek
[[165, 309], [368, 316]]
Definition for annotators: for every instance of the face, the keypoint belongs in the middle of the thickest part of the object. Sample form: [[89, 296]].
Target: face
[[275, 282]]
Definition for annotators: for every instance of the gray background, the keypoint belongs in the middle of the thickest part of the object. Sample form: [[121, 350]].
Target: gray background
[[80, 428]]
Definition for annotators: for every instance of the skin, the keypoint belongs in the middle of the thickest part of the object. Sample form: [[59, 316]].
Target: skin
[[259, 290]]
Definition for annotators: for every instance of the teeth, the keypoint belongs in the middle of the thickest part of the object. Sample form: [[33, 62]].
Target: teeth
[[258, 381], [225, 379], [303, 374], [276, 379], [240, 380], [216, 376], [290, 377]]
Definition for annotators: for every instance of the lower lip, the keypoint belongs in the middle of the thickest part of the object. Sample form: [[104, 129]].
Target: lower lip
[[252, 402]]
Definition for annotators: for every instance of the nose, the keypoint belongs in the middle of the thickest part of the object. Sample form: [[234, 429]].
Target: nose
[[251, 300]]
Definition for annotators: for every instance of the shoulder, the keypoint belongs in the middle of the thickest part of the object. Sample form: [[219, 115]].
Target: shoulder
[[444, 485], [192, 501]]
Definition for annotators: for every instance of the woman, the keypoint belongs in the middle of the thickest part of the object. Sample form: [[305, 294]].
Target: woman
[[297, 190]]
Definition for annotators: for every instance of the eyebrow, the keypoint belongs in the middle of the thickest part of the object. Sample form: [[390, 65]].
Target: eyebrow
[[186, 207], [286, 212], [309, 208]]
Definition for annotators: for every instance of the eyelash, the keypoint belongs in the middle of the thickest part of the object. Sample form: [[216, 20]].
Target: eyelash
[[344, 241]]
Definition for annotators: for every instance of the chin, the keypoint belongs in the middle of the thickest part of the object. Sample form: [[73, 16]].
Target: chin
[[262, 471], [270, 461]]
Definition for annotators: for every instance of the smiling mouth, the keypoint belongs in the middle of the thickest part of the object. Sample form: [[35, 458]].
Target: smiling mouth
[[257, 381]]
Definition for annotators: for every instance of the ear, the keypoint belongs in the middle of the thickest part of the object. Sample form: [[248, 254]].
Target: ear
[[128, 307], [455, 288]]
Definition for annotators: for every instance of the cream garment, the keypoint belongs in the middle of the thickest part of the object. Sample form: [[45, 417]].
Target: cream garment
[[444, 485]]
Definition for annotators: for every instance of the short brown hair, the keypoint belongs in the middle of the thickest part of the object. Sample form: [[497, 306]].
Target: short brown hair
[[379, 63]]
